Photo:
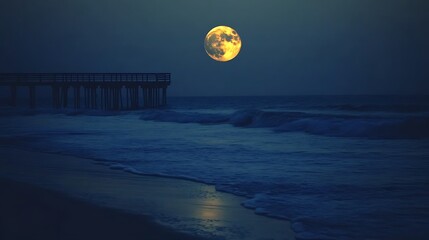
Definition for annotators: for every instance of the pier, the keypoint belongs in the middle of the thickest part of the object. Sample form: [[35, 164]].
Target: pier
[[109, 91]]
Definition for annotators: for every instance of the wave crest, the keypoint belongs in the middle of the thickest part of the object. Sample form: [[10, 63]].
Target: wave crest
[[405, 127]]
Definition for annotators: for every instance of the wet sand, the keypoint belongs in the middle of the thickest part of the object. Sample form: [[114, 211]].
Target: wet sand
[[150, 207], [29, 212]]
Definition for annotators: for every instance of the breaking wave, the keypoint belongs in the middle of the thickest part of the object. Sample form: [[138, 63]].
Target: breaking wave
[[377, 127]]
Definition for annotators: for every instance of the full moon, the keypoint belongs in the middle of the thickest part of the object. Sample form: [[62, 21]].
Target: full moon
[[222, 43]]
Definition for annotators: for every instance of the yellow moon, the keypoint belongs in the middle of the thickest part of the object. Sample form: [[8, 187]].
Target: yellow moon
[[222, 43]]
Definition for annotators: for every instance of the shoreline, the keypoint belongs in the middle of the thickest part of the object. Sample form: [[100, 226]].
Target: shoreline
[[52, 215], [186, 209]]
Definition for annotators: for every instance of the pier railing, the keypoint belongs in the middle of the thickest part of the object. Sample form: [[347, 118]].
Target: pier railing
[[49, 78], [113, 91]]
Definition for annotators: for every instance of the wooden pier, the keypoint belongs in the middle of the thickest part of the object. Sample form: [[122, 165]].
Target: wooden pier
[[110, 91]]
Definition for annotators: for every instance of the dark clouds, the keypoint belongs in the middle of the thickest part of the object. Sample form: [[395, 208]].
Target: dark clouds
[[289, 47], [213, 46], [227, 37]]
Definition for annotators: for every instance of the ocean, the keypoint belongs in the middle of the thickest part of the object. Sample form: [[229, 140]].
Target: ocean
[[337, 167]]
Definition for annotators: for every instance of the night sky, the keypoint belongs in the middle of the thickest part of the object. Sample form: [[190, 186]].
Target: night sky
[[289, 47]]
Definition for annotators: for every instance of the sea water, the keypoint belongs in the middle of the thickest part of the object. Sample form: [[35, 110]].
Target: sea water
[[338, 167]]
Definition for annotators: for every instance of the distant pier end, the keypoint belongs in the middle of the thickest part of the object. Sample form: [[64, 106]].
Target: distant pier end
[[109, 91]]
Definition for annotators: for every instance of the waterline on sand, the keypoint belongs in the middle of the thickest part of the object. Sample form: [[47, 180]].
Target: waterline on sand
[[190, 207]]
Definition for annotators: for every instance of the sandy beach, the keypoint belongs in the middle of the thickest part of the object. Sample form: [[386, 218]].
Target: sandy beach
[[29, 212], [50, 196]]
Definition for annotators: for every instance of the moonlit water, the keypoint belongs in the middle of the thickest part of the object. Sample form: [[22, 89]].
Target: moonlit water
[[337, 167]]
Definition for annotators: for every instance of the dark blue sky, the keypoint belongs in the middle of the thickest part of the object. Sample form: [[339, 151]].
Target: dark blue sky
[[289, 47]]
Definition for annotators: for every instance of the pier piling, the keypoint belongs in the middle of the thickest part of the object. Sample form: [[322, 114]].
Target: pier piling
[[93, 90]]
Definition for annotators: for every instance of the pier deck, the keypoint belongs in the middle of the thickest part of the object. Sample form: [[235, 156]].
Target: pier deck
[[110, 91]]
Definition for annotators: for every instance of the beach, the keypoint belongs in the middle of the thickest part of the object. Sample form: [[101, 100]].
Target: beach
[[49, 196], [30, 212], [307, 167]]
